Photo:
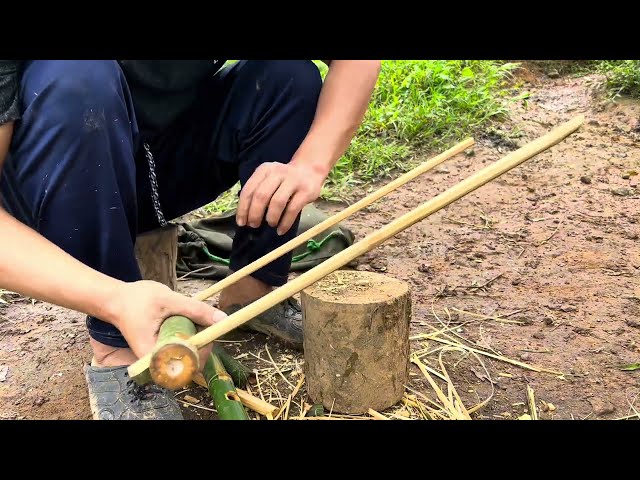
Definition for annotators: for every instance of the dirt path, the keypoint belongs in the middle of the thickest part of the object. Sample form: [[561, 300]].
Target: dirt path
[[555, 241]]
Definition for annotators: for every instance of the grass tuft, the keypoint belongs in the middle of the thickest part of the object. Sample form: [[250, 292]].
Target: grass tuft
[[622, 77], [417, 105]]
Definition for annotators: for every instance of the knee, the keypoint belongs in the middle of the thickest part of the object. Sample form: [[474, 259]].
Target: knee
[[73, 93], [301, 77]]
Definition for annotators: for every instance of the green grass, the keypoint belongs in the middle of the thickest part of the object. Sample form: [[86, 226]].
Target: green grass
[[420, 105], [227, 201], [417, 105], [622, 77]]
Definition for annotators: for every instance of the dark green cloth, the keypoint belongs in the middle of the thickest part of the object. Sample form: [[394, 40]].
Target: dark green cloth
[[204, 245]]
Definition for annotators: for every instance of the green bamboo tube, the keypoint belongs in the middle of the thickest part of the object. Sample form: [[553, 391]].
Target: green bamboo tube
[[223, 391], [174, 360], [239, 373]]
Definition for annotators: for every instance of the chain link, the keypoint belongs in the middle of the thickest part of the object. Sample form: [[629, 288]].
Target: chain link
[[155, 197]]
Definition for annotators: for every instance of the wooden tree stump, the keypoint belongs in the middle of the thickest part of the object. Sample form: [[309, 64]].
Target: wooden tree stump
[[356, 341], [157, 253]]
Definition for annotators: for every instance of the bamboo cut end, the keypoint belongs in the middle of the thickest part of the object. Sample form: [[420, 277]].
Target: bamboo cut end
[[173, 365]]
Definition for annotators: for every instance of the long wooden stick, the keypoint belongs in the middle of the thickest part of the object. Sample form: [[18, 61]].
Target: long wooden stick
[[370, 242], [333, 220]]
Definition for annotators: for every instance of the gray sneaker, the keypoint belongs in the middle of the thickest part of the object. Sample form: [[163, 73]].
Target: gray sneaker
[[114, 396], [282, 322]]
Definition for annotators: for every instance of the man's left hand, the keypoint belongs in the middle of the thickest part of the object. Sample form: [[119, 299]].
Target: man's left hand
[[281, 191]]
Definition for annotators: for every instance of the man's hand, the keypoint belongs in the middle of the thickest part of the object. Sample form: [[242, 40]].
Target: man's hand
[[141, 307], [280, 191]]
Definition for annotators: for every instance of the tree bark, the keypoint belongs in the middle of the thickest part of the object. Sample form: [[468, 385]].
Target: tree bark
[[157, 253], [356, 341]]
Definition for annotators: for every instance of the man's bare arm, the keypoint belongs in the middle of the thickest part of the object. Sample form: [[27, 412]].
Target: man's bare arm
[[33, 266], [343, 102]]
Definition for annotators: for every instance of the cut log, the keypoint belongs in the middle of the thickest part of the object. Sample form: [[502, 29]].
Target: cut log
[[356, 341], [157, 253]]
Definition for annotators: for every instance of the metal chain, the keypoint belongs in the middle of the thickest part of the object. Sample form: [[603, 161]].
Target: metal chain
[[155, 197]]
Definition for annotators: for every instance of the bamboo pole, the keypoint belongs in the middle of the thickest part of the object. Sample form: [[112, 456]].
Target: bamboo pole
[[334, 220], [370, 242], [162, 363], [174, 361], [253, 403], [223, 391]]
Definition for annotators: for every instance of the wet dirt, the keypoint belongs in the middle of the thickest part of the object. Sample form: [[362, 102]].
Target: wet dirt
[[555, 240]]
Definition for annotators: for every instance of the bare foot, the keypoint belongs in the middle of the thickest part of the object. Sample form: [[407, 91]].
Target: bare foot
[[106, 356], [243, 292]]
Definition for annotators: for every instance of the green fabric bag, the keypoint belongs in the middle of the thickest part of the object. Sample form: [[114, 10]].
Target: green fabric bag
[[204, 245]]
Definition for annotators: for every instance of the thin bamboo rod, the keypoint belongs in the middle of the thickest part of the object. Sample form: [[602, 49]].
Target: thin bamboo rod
[[160, 368]]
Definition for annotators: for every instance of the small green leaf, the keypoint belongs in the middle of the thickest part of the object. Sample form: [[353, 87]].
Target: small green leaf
[[467, 72], [631, 367]]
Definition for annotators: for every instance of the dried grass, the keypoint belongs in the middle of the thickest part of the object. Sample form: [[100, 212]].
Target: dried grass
[[280, 379]]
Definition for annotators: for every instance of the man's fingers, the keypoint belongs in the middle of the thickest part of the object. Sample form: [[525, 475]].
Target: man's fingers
[[261, 198], [143, 343], [199, 312], [245, 196], [292, 211], [279, 202]]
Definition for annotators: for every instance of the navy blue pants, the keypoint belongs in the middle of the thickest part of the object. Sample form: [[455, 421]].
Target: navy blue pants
[[77, 158]]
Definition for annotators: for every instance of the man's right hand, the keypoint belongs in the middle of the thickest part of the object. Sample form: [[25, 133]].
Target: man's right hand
[[139, 308]]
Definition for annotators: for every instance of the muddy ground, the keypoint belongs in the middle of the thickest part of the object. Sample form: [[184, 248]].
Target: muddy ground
[[555, 241]]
